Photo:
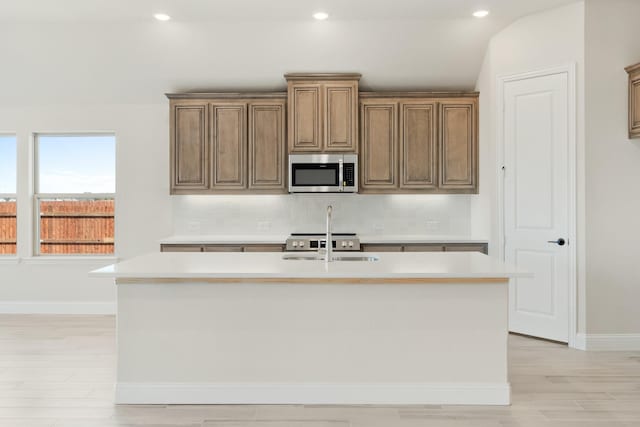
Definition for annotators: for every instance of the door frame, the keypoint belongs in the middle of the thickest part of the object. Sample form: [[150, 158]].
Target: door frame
[[502, 80]]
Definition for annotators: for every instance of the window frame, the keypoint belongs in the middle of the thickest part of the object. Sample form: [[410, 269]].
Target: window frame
[[38, 197], [14, 195]]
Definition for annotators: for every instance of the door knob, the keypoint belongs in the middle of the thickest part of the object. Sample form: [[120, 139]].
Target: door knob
[[559, 242]]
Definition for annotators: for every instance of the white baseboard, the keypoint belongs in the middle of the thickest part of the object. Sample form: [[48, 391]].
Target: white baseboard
[[579, 343], [608, 342], [57, 307], [318, 394]]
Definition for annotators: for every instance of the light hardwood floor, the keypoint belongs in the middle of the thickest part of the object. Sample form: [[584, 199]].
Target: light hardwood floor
[[58, 371]]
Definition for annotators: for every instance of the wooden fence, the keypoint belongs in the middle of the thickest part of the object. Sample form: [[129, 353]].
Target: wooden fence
[[66, 227], [7, 227]]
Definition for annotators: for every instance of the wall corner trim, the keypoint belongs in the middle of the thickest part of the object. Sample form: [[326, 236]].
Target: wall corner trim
[[57, 307], [608, 342]]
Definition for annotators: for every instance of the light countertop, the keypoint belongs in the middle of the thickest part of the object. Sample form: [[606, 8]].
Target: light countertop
[[415, 265], [219, 239]]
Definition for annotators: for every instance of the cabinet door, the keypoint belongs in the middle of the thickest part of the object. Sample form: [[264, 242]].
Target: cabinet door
[[267, 168], [305, 133], [418, 160], [189, 148], [379, 163], [222, 248], [634, 106], [458, 146], [341, 117], [229, 146]]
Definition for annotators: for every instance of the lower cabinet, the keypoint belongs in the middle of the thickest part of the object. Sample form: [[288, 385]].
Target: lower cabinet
[[430, 247], [222, 248], [386, 247]]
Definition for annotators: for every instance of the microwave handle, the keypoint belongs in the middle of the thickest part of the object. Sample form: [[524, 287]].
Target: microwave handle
[[340, 175]]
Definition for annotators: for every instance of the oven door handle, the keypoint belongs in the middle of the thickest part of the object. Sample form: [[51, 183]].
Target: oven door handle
[[340, 175]]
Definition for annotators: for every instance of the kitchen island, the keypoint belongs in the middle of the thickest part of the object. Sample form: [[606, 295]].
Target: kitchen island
[[243, 328]]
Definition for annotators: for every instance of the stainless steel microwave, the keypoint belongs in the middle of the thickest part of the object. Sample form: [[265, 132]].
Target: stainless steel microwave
[[323, 173]]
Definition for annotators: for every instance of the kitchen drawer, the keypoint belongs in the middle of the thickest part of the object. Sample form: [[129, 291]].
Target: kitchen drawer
[[467, 247], [264, 248], [381, 248], [424, 248], [180, 248], [223, 248]]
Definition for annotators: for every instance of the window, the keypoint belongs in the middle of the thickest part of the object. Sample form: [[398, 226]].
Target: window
[[8, 222], [74, 197]]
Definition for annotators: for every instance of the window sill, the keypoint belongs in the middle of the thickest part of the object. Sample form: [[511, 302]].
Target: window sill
[[7, 259], [70, 259]]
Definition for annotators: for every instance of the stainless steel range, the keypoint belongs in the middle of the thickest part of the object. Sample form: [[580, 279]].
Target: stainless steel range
[[314, 241]]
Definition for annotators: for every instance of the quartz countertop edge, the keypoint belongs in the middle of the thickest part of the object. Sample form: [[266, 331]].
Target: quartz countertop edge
[[280, 239], [418, 265]]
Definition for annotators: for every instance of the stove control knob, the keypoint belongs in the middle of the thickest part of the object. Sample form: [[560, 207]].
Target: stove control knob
[[295, 244], [344, 244], [350, 244], [301, 244]]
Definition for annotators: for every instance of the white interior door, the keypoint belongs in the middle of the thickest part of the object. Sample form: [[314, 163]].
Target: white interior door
[[536, 203]]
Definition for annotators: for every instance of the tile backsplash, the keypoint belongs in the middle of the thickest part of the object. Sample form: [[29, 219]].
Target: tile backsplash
[[283, 214]]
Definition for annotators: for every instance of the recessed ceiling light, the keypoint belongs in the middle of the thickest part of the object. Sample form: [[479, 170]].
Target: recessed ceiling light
[[161, 16], [321, 16], [480, 13]]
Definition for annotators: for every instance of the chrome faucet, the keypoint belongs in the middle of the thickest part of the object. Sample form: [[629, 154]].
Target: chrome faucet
[[328, 255]]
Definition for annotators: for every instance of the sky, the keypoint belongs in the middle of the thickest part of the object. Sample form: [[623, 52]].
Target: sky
[[7, 164], [67, 164]]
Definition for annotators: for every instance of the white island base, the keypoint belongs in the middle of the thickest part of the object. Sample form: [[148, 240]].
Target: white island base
[[405, 338]]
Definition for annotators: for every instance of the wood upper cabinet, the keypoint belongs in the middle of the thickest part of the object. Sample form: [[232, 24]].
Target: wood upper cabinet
[[323, 112], [458, 145], [267, 154], [223, 143], [409, 142], [634, 100], [418, 144], [189, 147], [229, 145], [305, 106], [341, 116], [379, 147]]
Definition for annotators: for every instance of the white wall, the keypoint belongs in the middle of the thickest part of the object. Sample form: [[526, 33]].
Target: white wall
[[117, 63], [66, 77], [544, 40], [143, 208], [613, 169]]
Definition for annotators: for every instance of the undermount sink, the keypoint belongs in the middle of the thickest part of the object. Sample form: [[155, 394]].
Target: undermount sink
[[335, 258]]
